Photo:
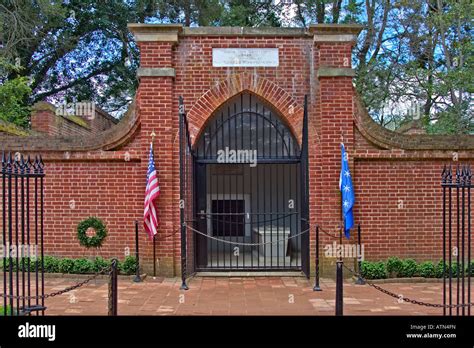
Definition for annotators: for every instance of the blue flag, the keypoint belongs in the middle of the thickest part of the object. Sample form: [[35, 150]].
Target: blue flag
[[347, 192]]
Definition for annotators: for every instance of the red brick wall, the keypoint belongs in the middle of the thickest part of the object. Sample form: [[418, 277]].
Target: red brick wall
[[45, 120], [111, 191], [107, 185], [195, 74]]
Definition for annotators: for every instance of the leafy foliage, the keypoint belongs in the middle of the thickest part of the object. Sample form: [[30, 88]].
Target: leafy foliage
[[51, 264], [426, 269], [373, 270], [100, 264], [13, 93], [128, 266], [66, 265], [394, 266], [83, 266], [410, 52], [408, 268], [97, 239], [6, 310], [54, 264]]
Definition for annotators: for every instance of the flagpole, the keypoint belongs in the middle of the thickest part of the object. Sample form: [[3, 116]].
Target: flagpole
[[339, 303], [153, 135], [343, 226]]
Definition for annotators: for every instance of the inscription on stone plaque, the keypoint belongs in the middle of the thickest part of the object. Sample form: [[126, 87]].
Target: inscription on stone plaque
[[245, 57]]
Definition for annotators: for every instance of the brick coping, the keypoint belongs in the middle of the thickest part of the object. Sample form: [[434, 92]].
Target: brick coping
[[332, 29], [111, 139]]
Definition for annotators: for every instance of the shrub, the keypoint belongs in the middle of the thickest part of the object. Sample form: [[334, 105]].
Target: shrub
[[373, 270], [7, 310], [454, 269], [7, 264], [408, 269], [100, 263], [51, 264], [23, 264], [83, 266], [394, 266], [472, 268], [66, 265], [439, 269], [128, 266], [426, 269]]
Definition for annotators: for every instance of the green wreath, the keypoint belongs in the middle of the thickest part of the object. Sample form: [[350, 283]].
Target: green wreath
[[100, 232]]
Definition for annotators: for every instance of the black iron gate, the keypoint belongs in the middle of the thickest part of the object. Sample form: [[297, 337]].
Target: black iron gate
[[457, 261], [250, 204], [22, 235]]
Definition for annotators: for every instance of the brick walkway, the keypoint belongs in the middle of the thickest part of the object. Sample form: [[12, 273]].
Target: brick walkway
[[239, 296]]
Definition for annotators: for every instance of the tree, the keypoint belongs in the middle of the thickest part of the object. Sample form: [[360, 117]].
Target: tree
[[251, 13], [75, 50], [189, 12], [12, 94], [434, 66], [410, 52]]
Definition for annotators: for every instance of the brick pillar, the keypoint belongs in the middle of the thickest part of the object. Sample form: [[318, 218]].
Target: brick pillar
[[332, 118], [43, 118], [158, 112]]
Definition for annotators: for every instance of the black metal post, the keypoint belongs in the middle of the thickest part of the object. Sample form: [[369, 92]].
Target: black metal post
[[4, 235], [22, 208], [339, 288], [137, 278], [182, 144], [339, 279], [469, 265], [359, 280], [463, 267], [458, 288], [154, 256], [443, 181], [113, 296], [316, 285], [450, 249], [17, 264]]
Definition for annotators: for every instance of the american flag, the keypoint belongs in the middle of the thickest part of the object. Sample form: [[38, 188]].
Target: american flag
[[151, 193]]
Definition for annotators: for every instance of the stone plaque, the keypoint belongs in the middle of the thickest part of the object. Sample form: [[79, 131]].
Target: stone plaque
[[245, 57]]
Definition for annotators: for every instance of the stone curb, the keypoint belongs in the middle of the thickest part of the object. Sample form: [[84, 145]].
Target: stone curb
[[405, 280], [82, 276]]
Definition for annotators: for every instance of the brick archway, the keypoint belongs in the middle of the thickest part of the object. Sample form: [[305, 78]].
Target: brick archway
[[291, 113]]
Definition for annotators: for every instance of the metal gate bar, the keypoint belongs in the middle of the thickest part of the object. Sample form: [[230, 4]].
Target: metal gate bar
[[461, 186], [245, 202], [17, 226]]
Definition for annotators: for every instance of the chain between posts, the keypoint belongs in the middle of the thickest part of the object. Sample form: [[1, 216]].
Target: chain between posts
[[247, 244], [405, 299], [328, 233], [62, 291]]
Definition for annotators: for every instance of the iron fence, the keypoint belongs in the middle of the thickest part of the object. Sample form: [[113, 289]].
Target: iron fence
[[22, 234], [457, 262]]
